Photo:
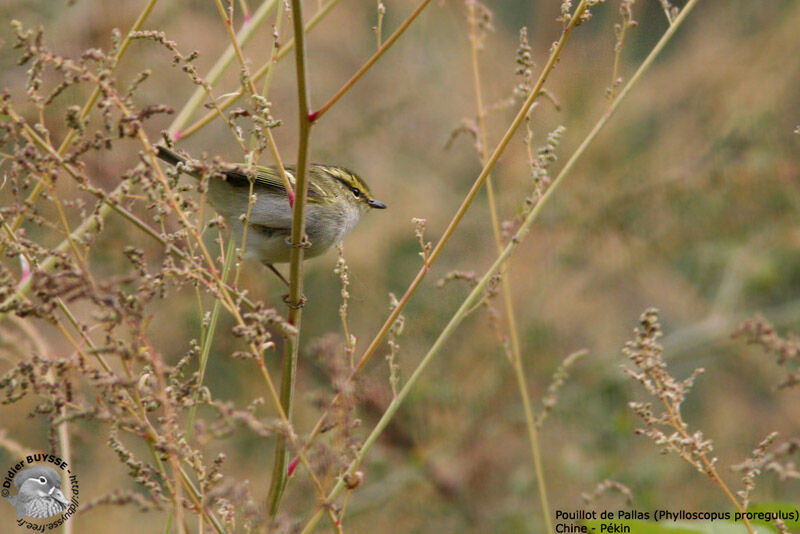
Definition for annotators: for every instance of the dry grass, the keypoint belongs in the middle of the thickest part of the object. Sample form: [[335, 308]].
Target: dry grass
[[687, 201]]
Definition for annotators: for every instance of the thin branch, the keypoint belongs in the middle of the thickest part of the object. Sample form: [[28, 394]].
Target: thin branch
[[260, 73], [456, 219], [521, 233], [298, 243], [508, 301], [371, 61], [34, 194], [219, 68]]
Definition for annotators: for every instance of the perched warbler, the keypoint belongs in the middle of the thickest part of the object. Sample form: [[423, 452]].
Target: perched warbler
[[337, 198]]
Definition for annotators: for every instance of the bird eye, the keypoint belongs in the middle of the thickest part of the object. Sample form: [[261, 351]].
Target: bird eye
[[356, 191], [42, 480]]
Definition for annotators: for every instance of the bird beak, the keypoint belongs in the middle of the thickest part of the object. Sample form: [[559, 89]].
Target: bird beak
[[377, 204], [57, 495]]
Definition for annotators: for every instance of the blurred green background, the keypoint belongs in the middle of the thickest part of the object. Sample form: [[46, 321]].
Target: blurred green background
[[688, 201]]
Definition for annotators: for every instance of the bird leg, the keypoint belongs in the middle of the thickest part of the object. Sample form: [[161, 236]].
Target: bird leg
[[277, 273]]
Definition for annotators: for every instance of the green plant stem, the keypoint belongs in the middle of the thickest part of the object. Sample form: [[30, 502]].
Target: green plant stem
[[456, 219], [89, 225], [251, 88], [477, 292], [109, 202], [371, 61], [93, 223], [151, 437], [298, 241], [208, 338], [255, 150], [198, 97], [37, 189], [169, 247], [508, 302], [274, 53], [261, 72]]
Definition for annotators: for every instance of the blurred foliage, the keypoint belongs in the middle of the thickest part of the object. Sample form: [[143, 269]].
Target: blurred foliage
[[687, 202]]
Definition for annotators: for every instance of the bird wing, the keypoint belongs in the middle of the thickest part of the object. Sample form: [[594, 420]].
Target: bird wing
[[267, 177], [270, 178]]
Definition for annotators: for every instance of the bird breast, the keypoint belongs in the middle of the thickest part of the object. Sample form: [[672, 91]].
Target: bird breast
[[42, 507]]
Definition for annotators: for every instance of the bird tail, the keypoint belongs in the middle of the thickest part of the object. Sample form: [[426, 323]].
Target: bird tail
[[169, 156]]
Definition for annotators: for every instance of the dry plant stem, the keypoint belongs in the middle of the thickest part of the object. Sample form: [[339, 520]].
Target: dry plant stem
[[677, 423], [253, 155], [477, 292], [66, 453], [137, 25], [508, 302], [261, 72], [298, 241], [88, 225], [108, 202], [169, 425], [251, 200], [371, 61], [223, 292], [130, 405], [219, 68], [252, 90], [63, 219], [151, 437], [274, 50], [70, 318], [217, 280], [41, 347], [617, 57], [169, 247], [91, 224], [465, 204]]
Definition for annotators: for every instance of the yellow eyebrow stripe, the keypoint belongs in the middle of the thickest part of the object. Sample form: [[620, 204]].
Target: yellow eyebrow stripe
[[340, 175]]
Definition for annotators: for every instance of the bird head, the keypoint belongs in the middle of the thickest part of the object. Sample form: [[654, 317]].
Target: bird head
[[39, 492]]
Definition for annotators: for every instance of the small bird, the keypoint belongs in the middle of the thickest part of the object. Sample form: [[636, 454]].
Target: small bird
[[39, 492], [337, 198]]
